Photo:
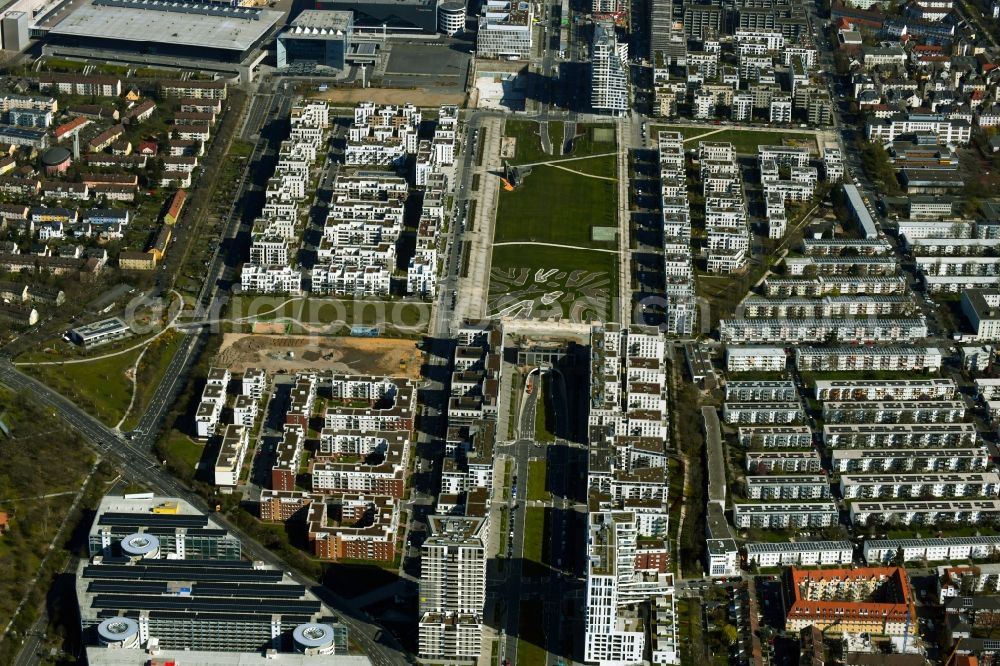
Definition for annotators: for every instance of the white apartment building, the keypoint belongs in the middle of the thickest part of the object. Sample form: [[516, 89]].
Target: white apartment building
[[823, 285], [245, 410], [982, 308], [925, 512], [783, 155], [271, 279], [886, 54], [254, 382], [755, 358], [948, 131], [953, 284], [913, 230], [269, 250], [382, 135], [918, 485], [313, 113], [893, 358], [931, 246], [703, 104], [762, 412], [800, 553], [901, 435], [781, 109], [760, 462], [782, 390], [884, 389], [453, 589], [614, 631], [771, 41], [676, 219], [885, 551], [334, 478], [843, 266], [723, 558], [828, 306], [904, 411], [232, 452], [788, 487], [833, 164], [338, 442], [786, 515], [775, 437], [956, 266], [611, 635], [421, 274], [742, 108], [609, 71], [206, 418], [351, 279], [987, 389], [926, 460], [821, 330]]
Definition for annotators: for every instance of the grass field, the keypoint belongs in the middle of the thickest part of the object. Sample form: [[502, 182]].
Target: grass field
[[182, 453], [536, 480], [584, 144], [99, 387], [744, 141], [556, 206], [503, 526], [605, 166], [529, 142], [530, 654], [539, 256], [559, 207], [534, 533]]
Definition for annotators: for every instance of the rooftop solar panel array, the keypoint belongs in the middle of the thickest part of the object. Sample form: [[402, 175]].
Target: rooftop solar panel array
[[153, 519], [196, 604], [146, 574]]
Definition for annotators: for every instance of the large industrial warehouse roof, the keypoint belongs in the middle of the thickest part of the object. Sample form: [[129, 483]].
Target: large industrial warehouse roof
[[234, 28]]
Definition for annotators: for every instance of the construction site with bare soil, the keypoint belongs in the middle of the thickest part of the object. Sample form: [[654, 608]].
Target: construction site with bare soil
[[297, 353]]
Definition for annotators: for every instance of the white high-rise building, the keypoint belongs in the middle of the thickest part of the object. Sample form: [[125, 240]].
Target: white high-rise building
[[453, 588], [609, 75], [611, 637], [615, 634]]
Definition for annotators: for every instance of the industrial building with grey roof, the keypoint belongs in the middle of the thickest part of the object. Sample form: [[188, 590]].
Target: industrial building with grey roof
[[212, 37], [163, 576]]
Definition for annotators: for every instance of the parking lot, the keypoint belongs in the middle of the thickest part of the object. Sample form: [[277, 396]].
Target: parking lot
[[420, 65]]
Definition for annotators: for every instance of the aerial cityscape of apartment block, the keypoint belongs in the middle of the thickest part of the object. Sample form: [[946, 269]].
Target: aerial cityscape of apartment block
[[521, 332]]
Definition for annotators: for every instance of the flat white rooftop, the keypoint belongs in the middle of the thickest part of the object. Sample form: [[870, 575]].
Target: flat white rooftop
[[231, 28]]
